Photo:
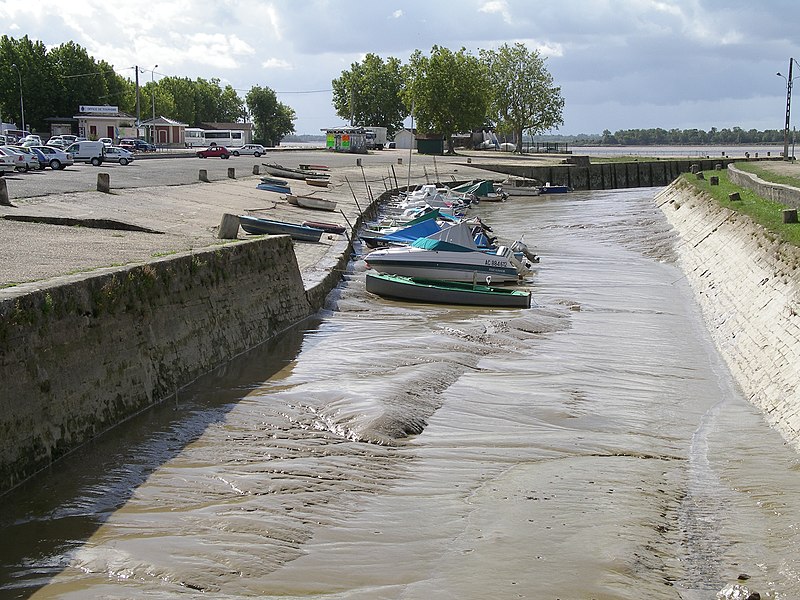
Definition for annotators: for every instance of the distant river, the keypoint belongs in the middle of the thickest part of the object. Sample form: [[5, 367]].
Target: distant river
[[732, 150], [591, 447]]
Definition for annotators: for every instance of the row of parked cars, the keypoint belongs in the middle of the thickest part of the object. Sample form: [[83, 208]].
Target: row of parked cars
[[62, 151]]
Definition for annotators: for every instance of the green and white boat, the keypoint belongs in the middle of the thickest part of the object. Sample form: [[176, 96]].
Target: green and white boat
[[445, 292]]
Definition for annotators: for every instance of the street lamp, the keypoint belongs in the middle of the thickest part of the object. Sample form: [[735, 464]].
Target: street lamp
[[153, 94], [789, 81], [21, 102]]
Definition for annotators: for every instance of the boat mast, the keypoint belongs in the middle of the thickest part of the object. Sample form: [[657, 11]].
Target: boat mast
[[410, 148]]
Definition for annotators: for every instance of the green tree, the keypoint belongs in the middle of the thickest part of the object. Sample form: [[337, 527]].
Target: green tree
[[273, 120], [181, 90], [447, 92], [34, 73], [214, 104], [370, 94], [523, 97]]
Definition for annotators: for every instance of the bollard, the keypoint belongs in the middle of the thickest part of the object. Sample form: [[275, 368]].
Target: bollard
[[4, 199], [256, 170], [695, 168], [231, 172], [103, 183], [734, 196], [228, 227], [469, 161], [718, 167], [700, 175], [203, 175], [358, 162], [790, 215], [400, 161], [714, 180]]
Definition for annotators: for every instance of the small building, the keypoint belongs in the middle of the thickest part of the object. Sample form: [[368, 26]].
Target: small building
[[96, 122], [162, 131], [346, 139], [405, 139], [430, 143]]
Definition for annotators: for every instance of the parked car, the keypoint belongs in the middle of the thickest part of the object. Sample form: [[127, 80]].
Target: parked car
[[57, 141], [87, 152], [117, 154], [30, 157], [254, 149], [43, 162], [56, 157], [69, 138], [214, 152], [106, 142], [134, 145], [32, 137], [22, 161], [6, 164]]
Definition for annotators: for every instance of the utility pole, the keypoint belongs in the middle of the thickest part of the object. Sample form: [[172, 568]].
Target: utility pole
[[788, 110], [138, 108]]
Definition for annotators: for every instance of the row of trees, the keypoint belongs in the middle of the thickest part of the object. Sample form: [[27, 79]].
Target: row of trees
[[56, 81], [695, 137], [448, 92]]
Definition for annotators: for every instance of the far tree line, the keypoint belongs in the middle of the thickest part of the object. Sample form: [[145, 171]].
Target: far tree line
[[57, 81], [670, 137]]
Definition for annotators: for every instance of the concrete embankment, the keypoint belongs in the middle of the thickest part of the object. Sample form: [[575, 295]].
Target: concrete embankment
[[82, 353], [747, 283], [579, 174]]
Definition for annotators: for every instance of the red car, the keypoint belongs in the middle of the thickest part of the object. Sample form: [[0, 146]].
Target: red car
[[214, 151]]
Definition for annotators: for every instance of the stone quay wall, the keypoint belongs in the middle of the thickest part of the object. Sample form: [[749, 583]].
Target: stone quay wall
[[608, 176], [82, 353], [747, 283]]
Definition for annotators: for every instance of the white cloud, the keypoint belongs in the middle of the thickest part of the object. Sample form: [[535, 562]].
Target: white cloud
[[397, 14], [276, 63], [497, 6]]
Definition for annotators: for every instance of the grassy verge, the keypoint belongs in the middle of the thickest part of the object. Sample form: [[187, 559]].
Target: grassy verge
[[766, 213], [766, 174]]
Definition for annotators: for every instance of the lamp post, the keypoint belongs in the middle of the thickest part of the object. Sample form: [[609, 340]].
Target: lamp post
[[789, 81], [153, 95], [21, 102]]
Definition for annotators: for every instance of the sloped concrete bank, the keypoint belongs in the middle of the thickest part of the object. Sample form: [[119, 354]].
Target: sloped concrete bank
[[82, 353], [747, 283]]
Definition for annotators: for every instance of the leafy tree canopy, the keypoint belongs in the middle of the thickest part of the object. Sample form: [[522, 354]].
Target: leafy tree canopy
[[523, 97], [273, 120], [370, 94], [447, 92]]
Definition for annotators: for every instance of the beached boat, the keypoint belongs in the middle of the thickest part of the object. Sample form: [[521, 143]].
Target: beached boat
[[311, 202], [451, 255], [317, 182], [326, 227], [274, 187], [274, 180], [554, 189], [445, 292], [258, 226], [289, 173], [313, 167], [521, 186]]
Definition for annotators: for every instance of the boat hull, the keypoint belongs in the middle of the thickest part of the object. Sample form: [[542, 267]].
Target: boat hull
[[258, 226], [286, 172], [449, 266], [445, 292]]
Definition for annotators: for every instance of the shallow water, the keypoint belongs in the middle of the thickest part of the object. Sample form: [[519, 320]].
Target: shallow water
[[593, 446]]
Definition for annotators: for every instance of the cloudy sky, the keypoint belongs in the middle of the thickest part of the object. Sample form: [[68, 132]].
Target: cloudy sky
[[621, 64]]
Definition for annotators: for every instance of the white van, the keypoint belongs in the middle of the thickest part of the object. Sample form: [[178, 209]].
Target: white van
[[87, 152]]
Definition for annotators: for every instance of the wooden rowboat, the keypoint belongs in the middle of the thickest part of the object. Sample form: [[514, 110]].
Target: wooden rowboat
[[445, 292], [317, 182], [326, 227], [258, 226]]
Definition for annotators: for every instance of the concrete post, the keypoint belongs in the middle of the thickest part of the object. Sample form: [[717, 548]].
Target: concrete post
[[103, 183], [700, 175], [228, 227], [734, 196], [713, 180], [400, 161], [790, 215], [203, 175], [231, 172], [695, 168], [358, 162], [256, 170], [4, 199]]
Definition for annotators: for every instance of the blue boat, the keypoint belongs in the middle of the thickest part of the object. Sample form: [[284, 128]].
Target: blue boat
[[258, 226], [274, 187], [554, 189]]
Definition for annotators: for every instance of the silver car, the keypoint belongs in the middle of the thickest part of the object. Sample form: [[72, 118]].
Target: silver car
[[117, 154], [56, 157], [254, 149], [24, 161]]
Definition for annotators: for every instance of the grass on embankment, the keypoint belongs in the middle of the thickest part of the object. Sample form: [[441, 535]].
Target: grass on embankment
[[767, 175], [766, 213]]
